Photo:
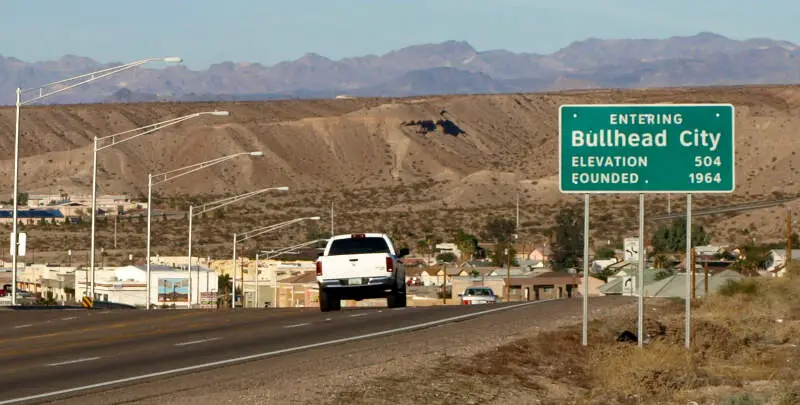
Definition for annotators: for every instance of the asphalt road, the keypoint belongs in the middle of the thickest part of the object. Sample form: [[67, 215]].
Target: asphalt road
[[48, 354]]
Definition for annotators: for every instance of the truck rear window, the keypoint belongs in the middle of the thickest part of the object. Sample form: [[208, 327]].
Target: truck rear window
[[355, 246]]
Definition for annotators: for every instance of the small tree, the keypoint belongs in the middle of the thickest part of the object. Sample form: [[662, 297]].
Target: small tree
[[500, 258], [566, 239], [467, 244], [604, 253], [499, 230], [672, 238], [446, 257]]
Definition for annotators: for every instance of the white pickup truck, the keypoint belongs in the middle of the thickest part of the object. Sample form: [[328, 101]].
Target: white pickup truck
[[361, 266]]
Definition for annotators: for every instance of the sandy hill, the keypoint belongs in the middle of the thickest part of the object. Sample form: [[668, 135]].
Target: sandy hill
[[375, 155]]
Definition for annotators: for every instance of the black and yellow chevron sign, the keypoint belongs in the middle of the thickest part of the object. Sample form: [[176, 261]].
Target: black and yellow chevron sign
[[87, 302]]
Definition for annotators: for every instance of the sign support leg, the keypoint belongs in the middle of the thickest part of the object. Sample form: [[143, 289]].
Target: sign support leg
[[689, 272], [640, 278], [585, 336]]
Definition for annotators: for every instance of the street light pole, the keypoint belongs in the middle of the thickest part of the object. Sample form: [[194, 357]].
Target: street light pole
[[64, 85], [255, 301], [171, 175], [149, 210], [189, 298], [94, 211], [253, 233], [233, 275], [210, 207], [117, 139], [14, 236]]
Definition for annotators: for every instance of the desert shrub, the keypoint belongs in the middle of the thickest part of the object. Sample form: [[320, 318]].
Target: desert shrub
[[745, 287]]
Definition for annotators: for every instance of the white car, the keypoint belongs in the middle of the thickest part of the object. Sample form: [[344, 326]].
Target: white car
[[478, 295]]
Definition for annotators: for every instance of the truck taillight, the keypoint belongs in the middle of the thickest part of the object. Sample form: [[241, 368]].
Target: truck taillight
[[319, 268], [389, 264]]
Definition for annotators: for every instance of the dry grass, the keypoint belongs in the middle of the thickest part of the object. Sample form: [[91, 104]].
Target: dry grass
[[744, 351]]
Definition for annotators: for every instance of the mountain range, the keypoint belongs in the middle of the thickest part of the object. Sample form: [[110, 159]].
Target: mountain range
[[451, 67]]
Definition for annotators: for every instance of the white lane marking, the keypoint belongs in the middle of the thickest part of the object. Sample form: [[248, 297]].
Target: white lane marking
[[23, 326], [69, 317], [328, 319], [355, 315], [72, 361], [194, 342], [297, 325], [262, 355]]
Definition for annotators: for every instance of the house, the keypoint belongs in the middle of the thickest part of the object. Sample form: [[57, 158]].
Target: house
[[776, 262], [435, 275], [540, 254], [73, 209], [549, 285]]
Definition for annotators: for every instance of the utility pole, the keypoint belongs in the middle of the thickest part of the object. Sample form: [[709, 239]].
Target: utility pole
[[516, 228], [444, 285], [116, 217], [788, 238], [705, 281], [508, 276]]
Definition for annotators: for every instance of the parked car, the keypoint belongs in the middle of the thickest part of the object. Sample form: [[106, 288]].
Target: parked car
[[478, 295]]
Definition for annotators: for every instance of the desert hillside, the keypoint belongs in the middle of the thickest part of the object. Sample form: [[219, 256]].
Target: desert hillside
[[364, 154]]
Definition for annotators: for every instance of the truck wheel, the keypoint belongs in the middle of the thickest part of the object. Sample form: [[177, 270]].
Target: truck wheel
[[327, 302], [397, 299]]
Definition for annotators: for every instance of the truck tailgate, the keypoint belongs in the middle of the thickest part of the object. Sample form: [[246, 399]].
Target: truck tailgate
[[360, 265]]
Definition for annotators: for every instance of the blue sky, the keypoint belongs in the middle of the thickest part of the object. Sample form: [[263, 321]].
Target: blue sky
[[269, 31]]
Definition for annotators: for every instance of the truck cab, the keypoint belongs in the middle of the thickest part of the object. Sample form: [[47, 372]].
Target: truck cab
[[361, 266]]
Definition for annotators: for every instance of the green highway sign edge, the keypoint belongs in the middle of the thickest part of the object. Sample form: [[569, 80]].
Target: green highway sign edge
[[646, 191]]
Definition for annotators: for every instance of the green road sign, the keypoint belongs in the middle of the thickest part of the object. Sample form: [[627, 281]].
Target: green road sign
[[646, 148]]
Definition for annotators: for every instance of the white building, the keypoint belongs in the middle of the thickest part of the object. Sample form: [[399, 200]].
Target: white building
[[168, 285], [48, 281]]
